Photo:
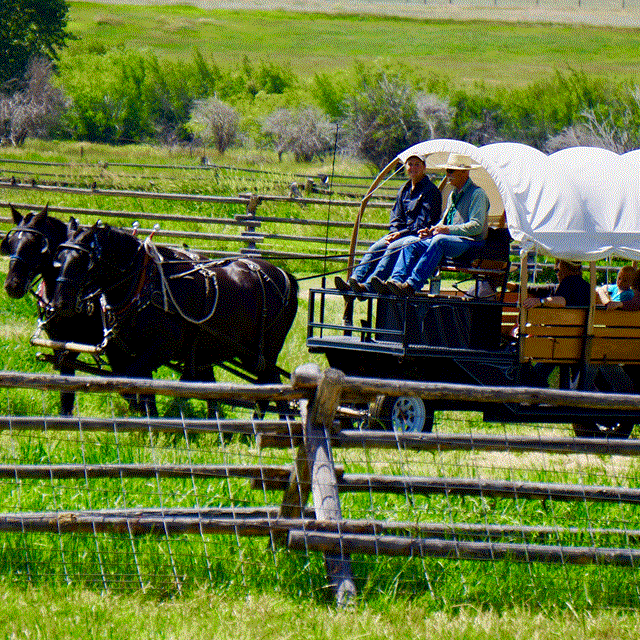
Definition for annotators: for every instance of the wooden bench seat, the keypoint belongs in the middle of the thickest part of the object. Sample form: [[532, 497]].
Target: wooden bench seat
[[491, 262], [616, 336], [558, 336]]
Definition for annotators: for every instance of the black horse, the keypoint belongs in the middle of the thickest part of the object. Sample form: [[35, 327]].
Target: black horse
[[31, 246], [166, 305]]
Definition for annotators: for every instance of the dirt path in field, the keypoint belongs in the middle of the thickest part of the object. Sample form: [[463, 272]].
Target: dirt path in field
[[564, 12]]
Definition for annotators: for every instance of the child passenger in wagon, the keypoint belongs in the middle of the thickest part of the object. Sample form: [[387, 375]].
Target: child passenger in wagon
[[630, 304], [620, 291]]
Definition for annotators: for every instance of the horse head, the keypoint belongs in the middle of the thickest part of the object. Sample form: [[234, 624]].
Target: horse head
[[31, 245], [90, 260]]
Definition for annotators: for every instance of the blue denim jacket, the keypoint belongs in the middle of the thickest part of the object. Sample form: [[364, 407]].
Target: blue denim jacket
[[416, 208]]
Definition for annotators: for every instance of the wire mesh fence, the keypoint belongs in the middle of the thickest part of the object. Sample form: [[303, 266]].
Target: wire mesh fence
[[472, 512]]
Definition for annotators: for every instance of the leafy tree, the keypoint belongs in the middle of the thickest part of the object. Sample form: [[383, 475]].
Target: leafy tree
[[268, 77], [382, 117], [30, 29], [173, 89], [613, 126], [111, 96], [329, 92], [478, 118]]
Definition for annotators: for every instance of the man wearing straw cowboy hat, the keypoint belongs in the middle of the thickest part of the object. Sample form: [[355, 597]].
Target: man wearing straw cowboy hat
[[464, 225], [419, 203]]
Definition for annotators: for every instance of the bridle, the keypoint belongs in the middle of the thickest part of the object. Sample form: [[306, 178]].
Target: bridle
[[16, 257], [95, 255]]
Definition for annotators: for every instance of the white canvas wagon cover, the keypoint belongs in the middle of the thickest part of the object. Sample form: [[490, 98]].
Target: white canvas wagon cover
[[580, 203]]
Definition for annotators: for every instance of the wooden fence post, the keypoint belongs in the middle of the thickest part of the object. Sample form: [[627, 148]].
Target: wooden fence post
[[252, 206], [319, 477]]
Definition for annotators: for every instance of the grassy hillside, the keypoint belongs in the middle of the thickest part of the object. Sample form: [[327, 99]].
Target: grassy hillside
[[510, 54]]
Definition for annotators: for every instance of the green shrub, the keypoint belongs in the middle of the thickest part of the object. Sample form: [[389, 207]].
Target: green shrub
[[381, 115]]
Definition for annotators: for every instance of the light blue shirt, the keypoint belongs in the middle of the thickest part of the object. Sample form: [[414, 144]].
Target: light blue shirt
[[617, 295]]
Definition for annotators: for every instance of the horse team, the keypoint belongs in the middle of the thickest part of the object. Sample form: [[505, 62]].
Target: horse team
[[148, 305]]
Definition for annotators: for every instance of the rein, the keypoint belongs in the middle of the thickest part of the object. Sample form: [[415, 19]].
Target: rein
[[151, 252], [209, 275], [136, 299]]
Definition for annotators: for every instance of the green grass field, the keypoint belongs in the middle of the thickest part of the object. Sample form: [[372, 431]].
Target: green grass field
[[242, 587], [461, 53]]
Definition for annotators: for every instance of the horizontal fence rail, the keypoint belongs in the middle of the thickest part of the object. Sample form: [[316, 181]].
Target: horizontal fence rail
[[253, 236], [300, 503]]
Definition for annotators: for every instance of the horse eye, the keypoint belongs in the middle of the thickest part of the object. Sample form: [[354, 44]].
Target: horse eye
[[57, 264]]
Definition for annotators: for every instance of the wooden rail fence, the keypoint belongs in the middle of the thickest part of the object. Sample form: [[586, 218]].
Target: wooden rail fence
[[315, 434], [253, 236]]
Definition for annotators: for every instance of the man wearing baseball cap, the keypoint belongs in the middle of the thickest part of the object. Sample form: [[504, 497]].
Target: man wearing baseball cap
[[463, 226], [419, 203]]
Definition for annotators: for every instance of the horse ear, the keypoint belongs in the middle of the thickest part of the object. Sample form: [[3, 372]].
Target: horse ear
[[39, 217], [72, 226], [17, 216]]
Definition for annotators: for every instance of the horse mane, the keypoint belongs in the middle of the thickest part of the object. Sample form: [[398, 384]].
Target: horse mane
[[107, 241]]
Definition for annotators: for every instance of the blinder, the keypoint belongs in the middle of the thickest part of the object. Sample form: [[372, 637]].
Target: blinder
[[5, 247], [73, 246]]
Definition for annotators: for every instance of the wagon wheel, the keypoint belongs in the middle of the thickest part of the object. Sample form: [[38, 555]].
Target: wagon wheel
[[605, 429], [609, 378], [403, 413]]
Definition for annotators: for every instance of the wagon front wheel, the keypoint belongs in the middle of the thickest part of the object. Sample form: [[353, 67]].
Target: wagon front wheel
[[403, 413], [609, 429]]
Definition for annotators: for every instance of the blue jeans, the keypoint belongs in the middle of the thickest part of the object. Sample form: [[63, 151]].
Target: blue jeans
[[419, 261], [379, 259]]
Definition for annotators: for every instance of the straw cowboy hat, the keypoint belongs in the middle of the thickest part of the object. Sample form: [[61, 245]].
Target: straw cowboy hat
[[459, 162]]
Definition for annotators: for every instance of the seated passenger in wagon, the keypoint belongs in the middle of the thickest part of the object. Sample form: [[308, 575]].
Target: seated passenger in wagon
[[572, 290], [630, 304], [621, 290], [463, 226], [418, 205]]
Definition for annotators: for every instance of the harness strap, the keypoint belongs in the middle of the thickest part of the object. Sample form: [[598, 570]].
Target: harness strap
[[167, 295]]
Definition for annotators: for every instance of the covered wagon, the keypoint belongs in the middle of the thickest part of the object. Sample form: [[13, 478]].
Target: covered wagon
[[580, 204]]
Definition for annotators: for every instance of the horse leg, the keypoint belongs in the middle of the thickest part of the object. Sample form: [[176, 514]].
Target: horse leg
[[214, 408], [143, 403], [271, 376], [147, 401], [65, 364], [202, 372]]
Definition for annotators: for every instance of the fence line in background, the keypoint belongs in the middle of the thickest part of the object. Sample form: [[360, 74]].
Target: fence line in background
[[200, 167], [249, 238]]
